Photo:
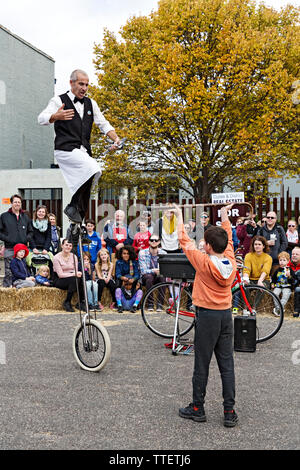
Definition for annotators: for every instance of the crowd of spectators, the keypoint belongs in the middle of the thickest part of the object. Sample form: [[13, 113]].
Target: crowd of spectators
[[123, 262]]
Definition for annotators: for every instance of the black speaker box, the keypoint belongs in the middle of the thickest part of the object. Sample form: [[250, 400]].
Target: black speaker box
[[245, 334]]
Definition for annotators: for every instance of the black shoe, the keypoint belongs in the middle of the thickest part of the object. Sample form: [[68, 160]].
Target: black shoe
[[73, 234], [81, 306], [68, 307], [230, 419], [73, 214], [196, 413], [296, 314], [133, 309], [120, 309]]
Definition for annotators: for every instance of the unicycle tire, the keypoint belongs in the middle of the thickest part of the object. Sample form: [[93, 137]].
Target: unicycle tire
[[91, 346]]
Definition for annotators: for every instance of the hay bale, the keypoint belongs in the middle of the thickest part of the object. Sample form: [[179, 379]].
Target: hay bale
[[32, 299]]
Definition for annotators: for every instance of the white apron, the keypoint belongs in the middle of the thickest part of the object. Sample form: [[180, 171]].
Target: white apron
[[77, 167]]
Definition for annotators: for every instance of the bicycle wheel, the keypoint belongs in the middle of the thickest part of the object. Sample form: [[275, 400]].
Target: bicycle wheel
[[265, 305], [91, 345], [159, 305]]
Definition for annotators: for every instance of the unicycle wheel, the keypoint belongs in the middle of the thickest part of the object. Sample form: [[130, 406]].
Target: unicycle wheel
[[91, 345]]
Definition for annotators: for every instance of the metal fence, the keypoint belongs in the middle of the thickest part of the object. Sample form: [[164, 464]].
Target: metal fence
[[102, 210]]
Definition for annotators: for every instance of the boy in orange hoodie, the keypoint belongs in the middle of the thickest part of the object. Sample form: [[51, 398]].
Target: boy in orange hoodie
[[215, 272]]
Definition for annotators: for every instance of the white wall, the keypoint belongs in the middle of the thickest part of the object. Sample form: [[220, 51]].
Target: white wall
[[13, 180]]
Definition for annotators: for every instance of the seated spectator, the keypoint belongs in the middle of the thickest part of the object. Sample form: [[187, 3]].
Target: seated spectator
[[95, 241], [235, 239], [201, 245], [149, 267], [261, 222], [55, 234], [203, 226], [90, 280], [146, 215], [129, 295], [292, 236], [275, 236], [117, 234], [141, 238], [20, 273], [127, 265], [43, 276], [188, 230], [40, 242], [294, 266], [66, 274], [245, 233], [104, 269], [166, 229], [15, 227], [258, 263], [282, 280]]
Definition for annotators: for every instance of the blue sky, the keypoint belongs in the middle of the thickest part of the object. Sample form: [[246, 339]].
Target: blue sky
[[67, 29]]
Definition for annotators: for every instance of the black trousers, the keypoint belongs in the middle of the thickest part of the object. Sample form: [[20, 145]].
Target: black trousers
[[111, 285], [70, 285], [81, 198], [214, 334]]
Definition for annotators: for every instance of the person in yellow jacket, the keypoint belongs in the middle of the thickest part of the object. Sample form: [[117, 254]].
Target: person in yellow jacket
[[258, 263]]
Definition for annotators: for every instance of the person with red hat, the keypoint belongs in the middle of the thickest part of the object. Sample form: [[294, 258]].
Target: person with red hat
[[20, 273]]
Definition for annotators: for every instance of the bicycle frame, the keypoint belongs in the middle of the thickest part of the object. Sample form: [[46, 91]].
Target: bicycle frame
[[238, 282], [176, 303]]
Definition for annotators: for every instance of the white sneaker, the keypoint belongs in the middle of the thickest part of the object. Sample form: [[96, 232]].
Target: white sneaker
[[275, 312]]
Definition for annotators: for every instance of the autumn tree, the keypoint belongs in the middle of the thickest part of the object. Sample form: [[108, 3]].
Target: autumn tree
[[202, 91]]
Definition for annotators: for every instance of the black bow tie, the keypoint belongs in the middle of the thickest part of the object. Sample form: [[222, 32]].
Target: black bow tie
[[81, 100]]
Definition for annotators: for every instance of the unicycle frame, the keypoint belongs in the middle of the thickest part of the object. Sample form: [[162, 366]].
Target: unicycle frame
[[87, 324]]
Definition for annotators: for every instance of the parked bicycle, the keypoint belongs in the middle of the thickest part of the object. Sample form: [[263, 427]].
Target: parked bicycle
[[172, 313]]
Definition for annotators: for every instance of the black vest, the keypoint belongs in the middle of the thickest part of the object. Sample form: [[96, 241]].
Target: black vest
[[72, 134]]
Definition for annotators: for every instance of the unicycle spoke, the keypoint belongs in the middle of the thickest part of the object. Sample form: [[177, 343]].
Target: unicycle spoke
[[91, 345]]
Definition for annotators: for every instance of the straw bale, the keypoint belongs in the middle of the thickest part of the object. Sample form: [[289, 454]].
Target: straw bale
[[38, 298]]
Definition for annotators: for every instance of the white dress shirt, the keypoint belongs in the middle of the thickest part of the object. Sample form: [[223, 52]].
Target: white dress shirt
[[55, 103], [77, 166]]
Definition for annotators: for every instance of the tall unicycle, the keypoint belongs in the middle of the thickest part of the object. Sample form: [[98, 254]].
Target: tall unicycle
[[91, 342]]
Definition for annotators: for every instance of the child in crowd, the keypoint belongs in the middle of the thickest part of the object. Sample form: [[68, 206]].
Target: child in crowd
[[126, 265], [95, 241], [91, 284], [21, 276], [43, 276], [294, 266], [141, 238], [282, 280], [129, 295], [104, 269]]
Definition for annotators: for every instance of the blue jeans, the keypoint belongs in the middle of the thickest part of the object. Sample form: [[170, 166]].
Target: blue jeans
[[92, 292], [213, 333]]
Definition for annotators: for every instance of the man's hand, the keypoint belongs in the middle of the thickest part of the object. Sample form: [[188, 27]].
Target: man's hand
[[115, 144], [62, 114]]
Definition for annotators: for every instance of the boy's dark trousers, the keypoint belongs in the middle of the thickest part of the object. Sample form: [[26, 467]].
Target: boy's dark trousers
[[214, 333]]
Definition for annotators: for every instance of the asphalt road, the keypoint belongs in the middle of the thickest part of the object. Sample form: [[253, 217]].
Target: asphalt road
[[49, 402]]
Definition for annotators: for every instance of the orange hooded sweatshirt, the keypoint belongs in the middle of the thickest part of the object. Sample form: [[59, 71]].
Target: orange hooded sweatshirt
[[214, 275]]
